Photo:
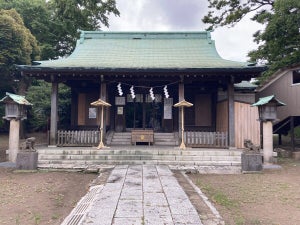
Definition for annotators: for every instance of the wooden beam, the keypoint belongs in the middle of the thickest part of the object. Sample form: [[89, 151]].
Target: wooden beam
[[180, 98], [292, 126], [53, 119], [231, 122], [103, 96]]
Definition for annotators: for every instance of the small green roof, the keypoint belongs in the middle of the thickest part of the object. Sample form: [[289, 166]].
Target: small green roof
[[19, 99], [143, 50], [245, 85], [268, 99]]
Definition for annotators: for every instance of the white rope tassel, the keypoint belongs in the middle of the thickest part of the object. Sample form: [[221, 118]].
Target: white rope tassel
[[132, 92], [166, 91], [151, 94], [120, 89]]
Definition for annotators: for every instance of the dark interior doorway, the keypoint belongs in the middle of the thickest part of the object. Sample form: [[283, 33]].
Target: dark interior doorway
[[143, 113]]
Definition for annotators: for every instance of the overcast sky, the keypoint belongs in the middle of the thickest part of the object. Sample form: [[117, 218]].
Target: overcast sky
[[184, 15]]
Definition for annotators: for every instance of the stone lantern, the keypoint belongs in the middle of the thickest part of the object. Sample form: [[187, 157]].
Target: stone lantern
[[267, 108], [15, 110]]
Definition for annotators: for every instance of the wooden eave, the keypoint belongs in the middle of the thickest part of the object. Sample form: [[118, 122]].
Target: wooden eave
[[49, 74]]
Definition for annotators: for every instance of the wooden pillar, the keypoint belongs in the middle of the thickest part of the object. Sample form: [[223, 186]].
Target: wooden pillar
[[292, 126], [181, 91], [103, 96], [54, 116], [231, 122], [180, 98], [279, 139]]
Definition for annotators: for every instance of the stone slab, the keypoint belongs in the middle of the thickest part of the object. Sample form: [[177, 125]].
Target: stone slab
[[296, 155], [27, 160], [141, 194], [251, 162]]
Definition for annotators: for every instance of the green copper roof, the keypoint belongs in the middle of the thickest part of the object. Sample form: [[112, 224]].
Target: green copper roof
[[143, 50], [19, 99], [245, 85], [268, 99]]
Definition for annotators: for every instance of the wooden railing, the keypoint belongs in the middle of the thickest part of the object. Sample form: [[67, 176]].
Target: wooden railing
[[206, 139], [77, 137]]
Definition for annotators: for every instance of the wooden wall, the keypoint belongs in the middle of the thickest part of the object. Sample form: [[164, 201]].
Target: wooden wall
[[246, 124], [81, 109], [222, 116], [203, 112], [84, 103], [286, 92]]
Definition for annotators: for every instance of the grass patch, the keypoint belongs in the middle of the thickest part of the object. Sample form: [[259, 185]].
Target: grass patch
[[218, 196]]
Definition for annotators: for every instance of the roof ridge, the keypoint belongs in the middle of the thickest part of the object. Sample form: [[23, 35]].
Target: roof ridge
[[98, 34]]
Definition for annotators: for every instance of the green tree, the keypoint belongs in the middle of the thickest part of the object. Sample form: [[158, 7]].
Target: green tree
[[55, 23], [73, 15], [278, 43], [17, 46], [229, 12], [39, 94], [36, 17]]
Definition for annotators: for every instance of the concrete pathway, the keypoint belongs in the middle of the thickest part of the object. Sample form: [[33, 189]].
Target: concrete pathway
[[136, 195]]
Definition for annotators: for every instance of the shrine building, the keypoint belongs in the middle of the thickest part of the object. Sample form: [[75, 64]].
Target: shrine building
[[142, 75]]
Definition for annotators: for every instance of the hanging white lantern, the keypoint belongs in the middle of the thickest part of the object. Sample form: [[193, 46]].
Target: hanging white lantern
[[120, 89], [132, 92], [166, 91]]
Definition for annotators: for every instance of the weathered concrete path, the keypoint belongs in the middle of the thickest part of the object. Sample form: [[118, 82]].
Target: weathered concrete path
[[138, 195]]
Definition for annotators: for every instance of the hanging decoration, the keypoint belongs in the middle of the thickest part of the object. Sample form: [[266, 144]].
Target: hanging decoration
[[120, 89], [151, 94], [132, 92], [166, 91]]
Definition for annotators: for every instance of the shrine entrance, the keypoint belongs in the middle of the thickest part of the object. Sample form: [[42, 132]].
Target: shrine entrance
[[144, 113]]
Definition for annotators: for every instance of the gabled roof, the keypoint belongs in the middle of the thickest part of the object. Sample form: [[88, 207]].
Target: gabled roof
[[143, 50], [19, 99], [268, 99], [245, 85], [277, 75]]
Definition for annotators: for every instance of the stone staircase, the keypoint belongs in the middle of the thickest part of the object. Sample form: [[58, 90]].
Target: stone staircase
[[165, 139], [120, 138], [124, 138], [202, 160]]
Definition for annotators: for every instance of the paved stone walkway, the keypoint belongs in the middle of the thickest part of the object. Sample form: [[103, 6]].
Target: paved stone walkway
[[141, 194]]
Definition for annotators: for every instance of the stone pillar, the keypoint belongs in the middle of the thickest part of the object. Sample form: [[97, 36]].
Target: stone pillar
[[231, 122], [268, 142], [14, 131], [54, 116]]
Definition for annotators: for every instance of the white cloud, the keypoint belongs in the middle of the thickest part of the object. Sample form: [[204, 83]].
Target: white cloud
[[182, 15]]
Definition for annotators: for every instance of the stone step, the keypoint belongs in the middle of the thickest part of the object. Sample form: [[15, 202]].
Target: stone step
[[84, 163], [165, 143], [80, 157], [120, 142], [160, 139], [139, 157], [144, 150]]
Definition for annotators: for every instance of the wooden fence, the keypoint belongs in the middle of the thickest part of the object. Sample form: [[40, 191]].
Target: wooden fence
[[77, 138], [206, 139]]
